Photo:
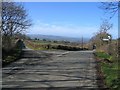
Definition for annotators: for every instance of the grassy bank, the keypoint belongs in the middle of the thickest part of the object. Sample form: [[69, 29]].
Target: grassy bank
[[109, 68], [10, 56]]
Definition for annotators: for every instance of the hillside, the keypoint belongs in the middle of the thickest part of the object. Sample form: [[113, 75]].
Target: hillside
[[57, 38]]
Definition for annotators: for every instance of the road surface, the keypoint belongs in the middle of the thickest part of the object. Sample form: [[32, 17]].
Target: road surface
[[52, 70]]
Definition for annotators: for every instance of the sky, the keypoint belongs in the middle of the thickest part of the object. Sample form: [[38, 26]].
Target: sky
[[70, 19]]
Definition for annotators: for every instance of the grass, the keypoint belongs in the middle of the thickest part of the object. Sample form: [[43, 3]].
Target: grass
[[110, 70], [111, 74], [37, 45], [102, 55]]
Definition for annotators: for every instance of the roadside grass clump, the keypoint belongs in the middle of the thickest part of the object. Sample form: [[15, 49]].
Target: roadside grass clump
[[103, 55]]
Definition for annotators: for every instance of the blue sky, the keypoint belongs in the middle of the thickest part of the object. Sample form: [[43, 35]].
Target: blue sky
[[67, 18]]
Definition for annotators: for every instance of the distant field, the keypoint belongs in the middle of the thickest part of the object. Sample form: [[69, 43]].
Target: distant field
[[50, 45]]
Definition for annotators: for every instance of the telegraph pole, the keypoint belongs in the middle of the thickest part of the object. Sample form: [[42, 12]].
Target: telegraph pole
[[82, 42]]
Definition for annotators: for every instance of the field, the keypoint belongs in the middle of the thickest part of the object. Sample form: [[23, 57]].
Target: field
[[51, 45]]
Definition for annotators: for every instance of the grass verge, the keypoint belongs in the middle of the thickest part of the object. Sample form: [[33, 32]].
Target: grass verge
[[109, 69]]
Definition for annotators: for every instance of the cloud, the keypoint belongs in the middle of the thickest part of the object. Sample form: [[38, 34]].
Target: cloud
[[68, 30]]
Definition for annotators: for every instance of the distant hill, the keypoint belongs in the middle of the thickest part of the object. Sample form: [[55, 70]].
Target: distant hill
[[57, 38]]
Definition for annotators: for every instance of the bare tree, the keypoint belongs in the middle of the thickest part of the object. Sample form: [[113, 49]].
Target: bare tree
[[110, 7], [102, 33], [14, 20], [105, 26]]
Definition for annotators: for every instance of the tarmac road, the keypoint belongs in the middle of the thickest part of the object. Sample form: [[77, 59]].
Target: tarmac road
[[51, 70]]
